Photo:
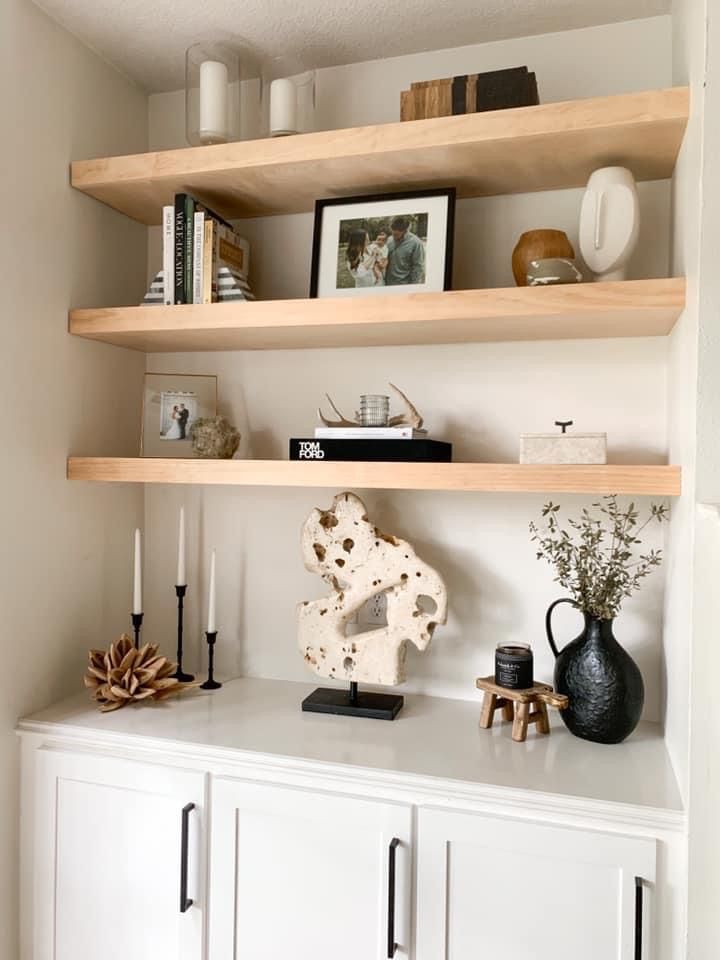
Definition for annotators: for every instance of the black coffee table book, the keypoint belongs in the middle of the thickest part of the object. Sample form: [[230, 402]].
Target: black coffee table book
[[381, 451]]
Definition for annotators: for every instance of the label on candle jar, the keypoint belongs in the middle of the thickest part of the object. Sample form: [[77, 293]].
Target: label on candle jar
[[514, 666]]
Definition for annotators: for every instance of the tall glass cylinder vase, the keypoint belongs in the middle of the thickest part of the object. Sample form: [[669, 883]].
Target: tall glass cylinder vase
[[222, 93]]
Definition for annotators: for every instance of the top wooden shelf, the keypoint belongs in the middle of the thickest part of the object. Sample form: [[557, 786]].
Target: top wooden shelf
[[547, 147]]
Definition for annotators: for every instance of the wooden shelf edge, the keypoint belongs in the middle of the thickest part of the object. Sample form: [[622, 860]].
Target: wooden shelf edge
[[644, 480], [575, 311], [642, 129]]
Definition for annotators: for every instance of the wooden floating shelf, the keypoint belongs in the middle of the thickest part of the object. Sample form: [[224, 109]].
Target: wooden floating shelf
[[637, 308], [647, 480], [547, 147]]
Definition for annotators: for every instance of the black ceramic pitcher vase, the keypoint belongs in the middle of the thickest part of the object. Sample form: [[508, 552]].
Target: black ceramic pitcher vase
[[601, 680]]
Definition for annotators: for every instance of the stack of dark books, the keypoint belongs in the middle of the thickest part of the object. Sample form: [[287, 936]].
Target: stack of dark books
[[377, 444], [470, 93]]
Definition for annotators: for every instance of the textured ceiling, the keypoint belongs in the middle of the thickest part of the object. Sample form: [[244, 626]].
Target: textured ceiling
[[146, 39]]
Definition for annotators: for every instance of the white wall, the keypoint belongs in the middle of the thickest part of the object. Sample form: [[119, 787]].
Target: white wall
[[65, 547], [479, 396]]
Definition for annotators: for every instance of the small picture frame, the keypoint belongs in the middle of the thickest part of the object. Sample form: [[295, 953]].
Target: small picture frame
[[171, 404], [383, 244]]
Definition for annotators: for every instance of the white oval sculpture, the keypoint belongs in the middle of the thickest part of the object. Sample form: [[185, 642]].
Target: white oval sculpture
[[609, 222], [358, 561]]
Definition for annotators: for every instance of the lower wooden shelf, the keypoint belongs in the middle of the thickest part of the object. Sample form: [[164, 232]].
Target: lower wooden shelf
[[650, 480]]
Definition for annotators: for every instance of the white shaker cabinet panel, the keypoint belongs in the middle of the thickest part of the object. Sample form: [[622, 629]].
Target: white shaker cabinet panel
[[307, 875], [499, 887], [108, 860]]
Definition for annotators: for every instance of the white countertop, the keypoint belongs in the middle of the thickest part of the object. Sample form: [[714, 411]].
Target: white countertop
[[431, 738]]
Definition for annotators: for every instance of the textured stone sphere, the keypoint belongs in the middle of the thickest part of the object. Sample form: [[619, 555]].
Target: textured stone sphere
[[214, 438]]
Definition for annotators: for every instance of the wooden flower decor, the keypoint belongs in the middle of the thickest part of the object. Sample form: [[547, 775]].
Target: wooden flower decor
[[124, 674]]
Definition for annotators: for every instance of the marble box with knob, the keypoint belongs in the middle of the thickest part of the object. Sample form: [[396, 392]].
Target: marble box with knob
[[563, 447]]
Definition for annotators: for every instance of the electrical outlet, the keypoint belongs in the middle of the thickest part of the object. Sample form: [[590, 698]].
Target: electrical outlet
[[374, 612]]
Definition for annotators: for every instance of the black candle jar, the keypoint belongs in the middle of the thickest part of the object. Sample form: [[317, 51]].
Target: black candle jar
[[514, 666]]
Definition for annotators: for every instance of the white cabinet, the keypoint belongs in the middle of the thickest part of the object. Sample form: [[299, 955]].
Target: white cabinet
[[501, 887], [307, 874], [107, 858]]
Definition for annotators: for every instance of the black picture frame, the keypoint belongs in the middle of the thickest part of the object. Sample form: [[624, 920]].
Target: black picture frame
[[321, 205]]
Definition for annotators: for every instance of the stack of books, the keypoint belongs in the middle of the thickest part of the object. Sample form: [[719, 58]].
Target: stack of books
[[378, 444], [470, 93], [201, 254]]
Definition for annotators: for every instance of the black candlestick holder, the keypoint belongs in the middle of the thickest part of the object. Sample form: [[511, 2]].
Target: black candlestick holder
[[211, 683], [180, 591], [137, 619]]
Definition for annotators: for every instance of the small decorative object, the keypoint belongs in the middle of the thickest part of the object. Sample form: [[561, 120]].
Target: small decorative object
[[563, 447], [343, 547], [155, 297], [287, 97], [214, 438], [609, 222], [125, 674], [172, 404], [137, 610], [476, 92], [212, 94], [597, 561], [514, 666], [516, 704], [410, 416], [180, 591], [552, 271], [374, 410], [393, 243], [539, 245], [232, 286], [211, 633]]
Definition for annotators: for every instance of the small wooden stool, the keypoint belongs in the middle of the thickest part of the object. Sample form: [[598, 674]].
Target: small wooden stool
[[515, 706]]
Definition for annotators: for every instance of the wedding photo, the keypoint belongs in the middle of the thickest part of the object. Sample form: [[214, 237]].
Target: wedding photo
[[178, 411], [382, 251], [388, 244]]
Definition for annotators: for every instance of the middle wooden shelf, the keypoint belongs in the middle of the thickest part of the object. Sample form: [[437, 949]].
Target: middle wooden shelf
[[634, 308]]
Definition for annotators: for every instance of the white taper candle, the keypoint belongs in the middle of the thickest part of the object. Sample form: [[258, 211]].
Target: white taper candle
[[181, 577], [213, 102], [137, 576], [211, 627]]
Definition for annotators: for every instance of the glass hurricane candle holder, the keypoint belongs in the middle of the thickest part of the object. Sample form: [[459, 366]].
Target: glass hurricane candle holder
[[288, 98], [212, 94]]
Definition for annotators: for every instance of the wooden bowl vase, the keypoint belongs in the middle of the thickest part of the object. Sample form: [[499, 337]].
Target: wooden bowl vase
[[539, 245]]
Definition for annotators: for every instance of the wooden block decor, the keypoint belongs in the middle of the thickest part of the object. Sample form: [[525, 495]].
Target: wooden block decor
[[469, 93], [522, 707]]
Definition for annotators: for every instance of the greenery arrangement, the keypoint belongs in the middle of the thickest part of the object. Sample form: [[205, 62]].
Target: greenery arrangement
[[598, 563]]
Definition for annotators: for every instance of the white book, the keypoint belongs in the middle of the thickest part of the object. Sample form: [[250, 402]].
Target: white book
[[168, 255], [198, 256], [369, 433]]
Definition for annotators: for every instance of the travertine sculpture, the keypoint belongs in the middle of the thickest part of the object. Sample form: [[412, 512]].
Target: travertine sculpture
[[358, 561]]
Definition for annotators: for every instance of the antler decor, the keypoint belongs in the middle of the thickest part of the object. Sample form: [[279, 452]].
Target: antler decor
[[125, 674], [410, 417]]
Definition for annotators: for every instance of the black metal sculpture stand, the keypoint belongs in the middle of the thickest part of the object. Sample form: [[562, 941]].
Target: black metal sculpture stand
[[137, 619], [180, 592], [353, 703], [211, 683]]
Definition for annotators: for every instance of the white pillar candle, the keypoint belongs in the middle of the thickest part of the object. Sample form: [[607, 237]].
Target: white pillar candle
[[137, 576], [211, 627], [283, 108], [213, 102], [181, 577]]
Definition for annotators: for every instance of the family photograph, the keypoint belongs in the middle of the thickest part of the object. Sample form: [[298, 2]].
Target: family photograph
[[382, 251], [177, 413]]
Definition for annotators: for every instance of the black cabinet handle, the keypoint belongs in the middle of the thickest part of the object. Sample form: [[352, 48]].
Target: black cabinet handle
[[638, 918], [185, 902], [391, 945]]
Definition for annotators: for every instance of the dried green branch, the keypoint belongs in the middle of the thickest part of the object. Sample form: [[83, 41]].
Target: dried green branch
[[598, 562]]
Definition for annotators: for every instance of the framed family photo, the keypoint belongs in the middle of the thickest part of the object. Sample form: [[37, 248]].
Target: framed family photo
[[171, 404], [391, 243]]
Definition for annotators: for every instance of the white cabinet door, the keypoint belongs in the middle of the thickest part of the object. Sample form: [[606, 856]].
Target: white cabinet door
[[107, 859], [305, 875], [489, 886]]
